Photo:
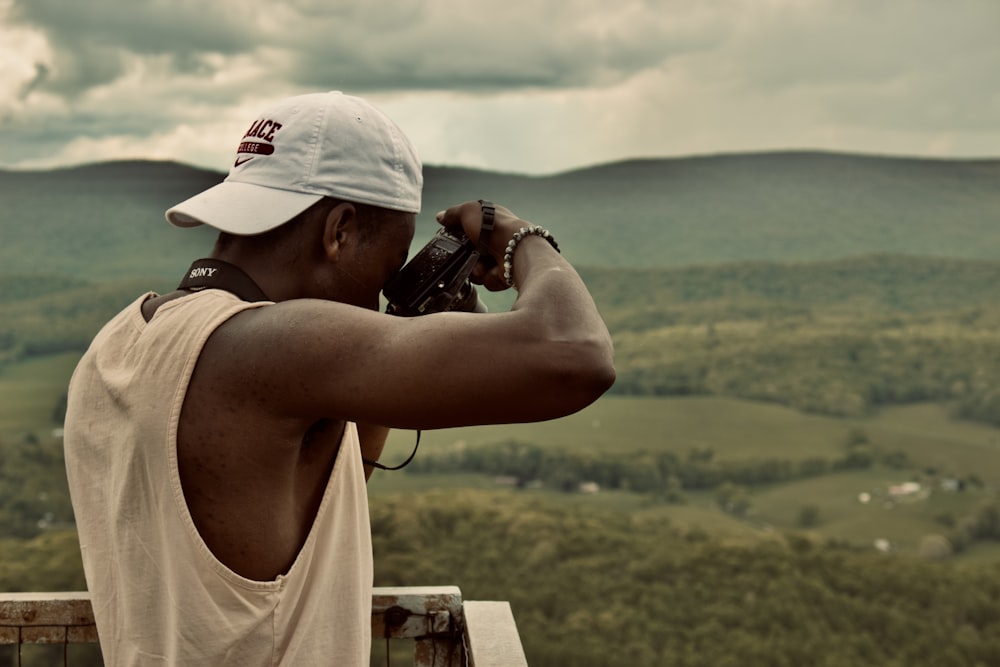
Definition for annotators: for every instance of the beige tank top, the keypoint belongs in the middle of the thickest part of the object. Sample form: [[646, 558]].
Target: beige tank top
[[160, 597]]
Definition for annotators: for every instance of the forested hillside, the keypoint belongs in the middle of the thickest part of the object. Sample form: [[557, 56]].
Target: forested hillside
[[806, 328], [601, 589], [837, 337], [598, 587], [99, 222], [106, 220]]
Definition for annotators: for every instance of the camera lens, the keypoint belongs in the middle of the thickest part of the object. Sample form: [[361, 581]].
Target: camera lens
[[468, 301]]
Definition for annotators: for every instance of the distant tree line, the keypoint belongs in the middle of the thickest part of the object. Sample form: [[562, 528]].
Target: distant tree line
[[982, 524], [820, 367], [663, 474]]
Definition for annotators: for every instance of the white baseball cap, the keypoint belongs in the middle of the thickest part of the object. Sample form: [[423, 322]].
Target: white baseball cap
[[300, 150]]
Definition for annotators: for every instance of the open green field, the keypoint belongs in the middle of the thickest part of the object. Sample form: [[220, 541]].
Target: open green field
[[930, 436], [29, 391], [732, 429], [737, 429]]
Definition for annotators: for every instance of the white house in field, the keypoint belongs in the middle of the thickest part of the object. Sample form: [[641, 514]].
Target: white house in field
[[904, 490]]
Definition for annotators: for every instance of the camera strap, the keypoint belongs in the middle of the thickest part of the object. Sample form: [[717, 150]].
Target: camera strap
[[376, 464], [210, 273], [486, 231]]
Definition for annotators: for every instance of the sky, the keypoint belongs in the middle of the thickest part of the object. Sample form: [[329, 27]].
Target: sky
[[523, 86]]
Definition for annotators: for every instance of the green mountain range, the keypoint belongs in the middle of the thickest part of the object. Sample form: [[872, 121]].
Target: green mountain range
[[852, 299], [828, 283], [105, 221]]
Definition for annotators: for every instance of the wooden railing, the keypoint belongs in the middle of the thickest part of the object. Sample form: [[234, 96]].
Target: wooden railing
[[446, 631]]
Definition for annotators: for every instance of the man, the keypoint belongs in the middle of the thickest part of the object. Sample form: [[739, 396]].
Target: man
[[215, 434]]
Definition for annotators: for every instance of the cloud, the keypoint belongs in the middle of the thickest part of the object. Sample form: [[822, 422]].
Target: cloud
[[122, 70], [41, 74], [915, 64], [432, 44], [92, 42], [520, 84], [449, 45]]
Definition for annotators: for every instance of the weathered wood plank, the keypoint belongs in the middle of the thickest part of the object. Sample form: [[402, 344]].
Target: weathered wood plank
[[46, 618], [491, 635], [435, 617], [414, 611]]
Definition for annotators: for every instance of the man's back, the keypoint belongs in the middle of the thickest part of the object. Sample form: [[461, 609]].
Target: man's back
[[253, 480], [159, 562]]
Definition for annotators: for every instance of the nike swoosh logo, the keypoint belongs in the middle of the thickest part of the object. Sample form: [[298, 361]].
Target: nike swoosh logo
[[243, 161]]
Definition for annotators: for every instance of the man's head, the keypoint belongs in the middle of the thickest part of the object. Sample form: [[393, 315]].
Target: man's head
[[335, 250], [303, 149], [324, 186]]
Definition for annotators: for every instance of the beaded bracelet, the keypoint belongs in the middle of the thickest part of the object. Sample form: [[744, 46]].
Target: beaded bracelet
[[508, 256]]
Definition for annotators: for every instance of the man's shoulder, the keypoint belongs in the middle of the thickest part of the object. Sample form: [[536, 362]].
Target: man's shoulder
[[128, 319], [183, 307], [289, 346]]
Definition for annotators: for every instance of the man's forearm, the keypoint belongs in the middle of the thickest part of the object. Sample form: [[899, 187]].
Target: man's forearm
[[558, 297]]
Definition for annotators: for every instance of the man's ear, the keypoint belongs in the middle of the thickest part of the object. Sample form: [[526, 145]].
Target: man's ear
[[339, 229]]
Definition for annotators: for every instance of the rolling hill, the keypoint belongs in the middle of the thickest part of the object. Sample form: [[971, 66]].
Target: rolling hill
[[839, 284], [106, 220]]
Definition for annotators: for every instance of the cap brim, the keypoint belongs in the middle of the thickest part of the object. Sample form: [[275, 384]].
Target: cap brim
[[240, 208]]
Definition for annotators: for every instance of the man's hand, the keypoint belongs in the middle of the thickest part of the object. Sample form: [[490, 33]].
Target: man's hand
[[488, 272]]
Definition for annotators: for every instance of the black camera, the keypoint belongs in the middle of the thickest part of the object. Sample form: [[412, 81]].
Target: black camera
[[437, 278]]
